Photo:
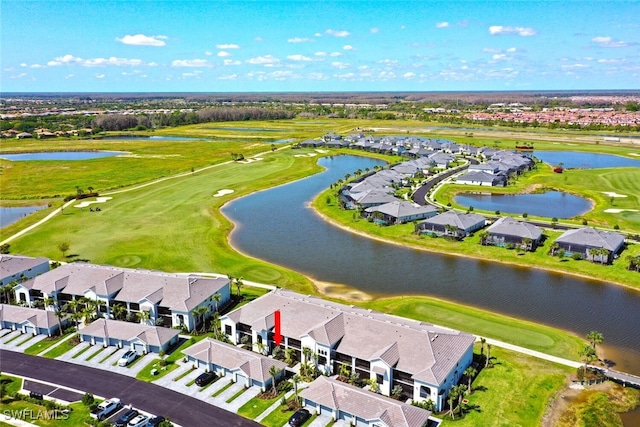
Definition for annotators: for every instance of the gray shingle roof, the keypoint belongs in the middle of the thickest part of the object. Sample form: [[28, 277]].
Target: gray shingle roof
[[428, 352], [14, 264], [511, 227], [590, 237], [401, 208], [458, 219], [127, 331], [230, 357], [40, 318], [364, 404]]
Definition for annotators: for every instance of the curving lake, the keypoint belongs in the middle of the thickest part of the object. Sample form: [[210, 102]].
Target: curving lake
[[289, 233], [9, 215], [582, 160], [550, 204], [61, 155]]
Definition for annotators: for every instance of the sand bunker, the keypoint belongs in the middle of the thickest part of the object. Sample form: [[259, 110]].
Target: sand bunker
[[97, 200], [224, 192], [255, 159], [612, 194], [322, 151], [305, 155], [634, 154], [620, 210]]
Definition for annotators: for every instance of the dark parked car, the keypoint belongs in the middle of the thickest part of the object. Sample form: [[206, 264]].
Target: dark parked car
[[126, 417], [205, 379], [155, 421], [299, 417]]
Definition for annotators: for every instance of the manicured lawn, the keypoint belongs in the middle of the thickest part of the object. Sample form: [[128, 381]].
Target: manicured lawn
[[515, 392], [61, 349], [27, 339], [109, 354], [482, 323], [76, 417], [257, 406], [14, 338], [12, 384], [235, 396], [44, 344], [94, 354], [81, 352], [280, 416], [171, 359]]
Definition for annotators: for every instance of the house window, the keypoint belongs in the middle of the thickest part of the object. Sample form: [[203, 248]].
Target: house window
[[425, 392], [379, 378], [227, 329], [322, 360], [259, 339], [134, 306]]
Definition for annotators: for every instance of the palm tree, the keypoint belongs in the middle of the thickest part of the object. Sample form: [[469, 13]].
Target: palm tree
[[274, 372], [453, 395], [486, 363], [483, 341], [484, 237], [288, 356], [307, 354], [595, 338], [461, 391], [215, 317], [296, 379], [118, 310], [470, 373], [526, 243], [588, 355], [261, 347], [216, 298], [145, 315], [200, 312], [239, 284], [59, 315], [8, 290], [50, 302]]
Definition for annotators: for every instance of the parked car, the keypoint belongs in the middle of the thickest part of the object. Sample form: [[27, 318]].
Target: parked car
[[106, 408], [299, 417], [139, 421], [205, 379], [126, 417], [128, 357], [155, 421]]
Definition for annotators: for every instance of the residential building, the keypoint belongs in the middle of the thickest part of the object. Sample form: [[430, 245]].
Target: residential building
[[424, 360], [18, 268], [170, 299], [142, 339], [328, 396], [400, 212], [507, 230], [30, 320], [243, 366], [452, 223], [589, 242], [482, 178]]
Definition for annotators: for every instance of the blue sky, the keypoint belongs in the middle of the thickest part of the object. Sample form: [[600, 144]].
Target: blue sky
[[270, 46]]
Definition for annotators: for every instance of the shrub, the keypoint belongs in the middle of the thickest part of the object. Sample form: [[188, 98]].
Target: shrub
[[576, 256], [87, 399]]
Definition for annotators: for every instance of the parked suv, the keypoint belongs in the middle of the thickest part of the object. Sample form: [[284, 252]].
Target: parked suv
[[155, 421], [126, 417], [299, 418], [139, 421], [205, 379], [128, 357]]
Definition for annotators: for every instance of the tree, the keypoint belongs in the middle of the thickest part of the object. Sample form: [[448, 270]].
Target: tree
[[59, 316], [486, 363], [343, 372], [261, 347], [483, 341], [49, 302], [215, 318], [307, 352], [453, 395], [588, 355], [373, 385], [118, 310], [461, 391], [396, 392], [200, 312], [4, 248], [239, 284], [145, 316], [527, 243], [296, 379], [470, 373], [484, 237], [216, 298], [274, 372], [64, 247], [595, 338], [8, 290]]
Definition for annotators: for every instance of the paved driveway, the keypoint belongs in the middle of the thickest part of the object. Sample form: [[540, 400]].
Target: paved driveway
[[184, 410]]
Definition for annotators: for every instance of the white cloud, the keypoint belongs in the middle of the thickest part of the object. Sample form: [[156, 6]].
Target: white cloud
[[443, 24], [191, 63], [338, 33], [348, 47], [335, 54], [23, 65], [100, 76], [227, 46], [208, 53], [36, 66], [69, 76], [223, 54], [231, 62], [263, 60], [66, 59], [345, 76], [511, 49], [316, 76], [317, 35], [499, 56], [610, 42], [375, 30], [118, 62], [298, 58], [142, 40], [520, 31], [388, 62], [408, 75], [19, 76], [610, 61], [229, 77], [300, 40], [320, 54], [258, 39], [574, 66], [340, 65], [195, 73]]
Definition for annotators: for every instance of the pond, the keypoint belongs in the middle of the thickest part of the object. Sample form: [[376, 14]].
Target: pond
[[150, 138], [550, 204], [278, 226], [61, 155], [9, 215], [582, 160]]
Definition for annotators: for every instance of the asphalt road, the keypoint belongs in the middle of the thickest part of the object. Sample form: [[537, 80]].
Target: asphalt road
[[184, 410]]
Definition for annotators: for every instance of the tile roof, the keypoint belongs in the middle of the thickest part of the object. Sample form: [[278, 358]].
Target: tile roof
[[426, 351], [230, 357], [401, 208], [40, 318], [176, 291], [511, 227], [14, 264], [127, 331], [458, 219], [590, 237], [364, 404]]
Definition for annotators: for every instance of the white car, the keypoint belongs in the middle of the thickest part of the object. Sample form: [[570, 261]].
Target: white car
[[128, 357], [139, 421], [106, 408]]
